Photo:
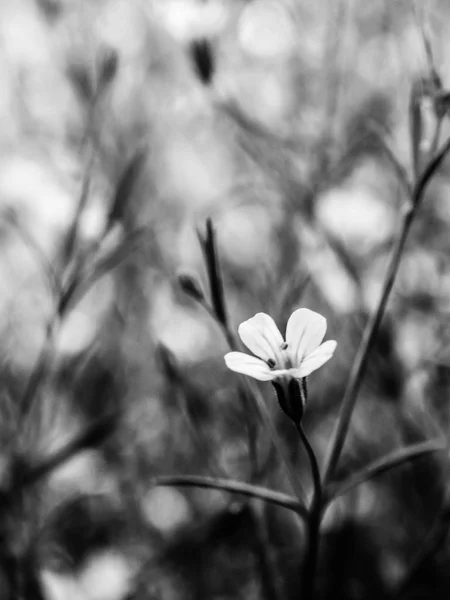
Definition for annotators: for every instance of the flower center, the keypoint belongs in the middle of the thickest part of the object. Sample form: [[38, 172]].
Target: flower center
[[283, 358]]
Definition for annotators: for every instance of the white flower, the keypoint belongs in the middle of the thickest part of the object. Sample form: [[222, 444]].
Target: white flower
[[275, 359]]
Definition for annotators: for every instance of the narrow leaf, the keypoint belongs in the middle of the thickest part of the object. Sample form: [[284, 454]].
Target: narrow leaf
[[209, 247], [386, 463], [234, 487]]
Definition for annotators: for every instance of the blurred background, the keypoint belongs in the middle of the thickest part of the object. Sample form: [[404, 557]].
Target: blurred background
[[125, 125]]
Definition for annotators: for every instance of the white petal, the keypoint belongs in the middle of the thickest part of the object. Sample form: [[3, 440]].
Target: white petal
[[304, 332], [293, 373], [317, 358], [248, 365], [261, 335]]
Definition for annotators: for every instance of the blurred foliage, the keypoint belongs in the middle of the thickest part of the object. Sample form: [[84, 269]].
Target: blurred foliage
[[125, 126]]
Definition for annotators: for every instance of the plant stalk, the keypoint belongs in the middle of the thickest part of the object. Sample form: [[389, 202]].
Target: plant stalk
[[359, 365]]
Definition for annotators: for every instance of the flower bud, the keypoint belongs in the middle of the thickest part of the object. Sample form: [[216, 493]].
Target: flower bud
[[203, 58], [191, 286]]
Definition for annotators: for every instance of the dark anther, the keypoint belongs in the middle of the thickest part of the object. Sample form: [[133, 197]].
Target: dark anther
[[202, 55], [284, 346], [272, 364]]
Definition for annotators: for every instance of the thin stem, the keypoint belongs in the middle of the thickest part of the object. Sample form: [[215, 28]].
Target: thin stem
[[313, 523], [315, 471], [386, 463], [234, 487], [371, 330], [312, 554]]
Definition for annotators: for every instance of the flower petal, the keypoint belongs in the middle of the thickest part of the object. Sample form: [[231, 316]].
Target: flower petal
[[248, 365], [261, 335], [304, 332], [317, 358]]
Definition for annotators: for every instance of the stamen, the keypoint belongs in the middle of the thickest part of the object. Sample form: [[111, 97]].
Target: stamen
[[272, 364], [284, 346]]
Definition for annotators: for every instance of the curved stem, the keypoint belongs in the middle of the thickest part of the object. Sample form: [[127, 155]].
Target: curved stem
[[314, 520], [234, 487], [317, 497]]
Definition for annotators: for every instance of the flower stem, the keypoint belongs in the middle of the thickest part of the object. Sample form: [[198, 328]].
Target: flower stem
[[371, 330], [312, 553], [313, 522], [317, 497]]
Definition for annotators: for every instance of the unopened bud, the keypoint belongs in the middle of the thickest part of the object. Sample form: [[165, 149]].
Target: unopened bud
[[190, 285]]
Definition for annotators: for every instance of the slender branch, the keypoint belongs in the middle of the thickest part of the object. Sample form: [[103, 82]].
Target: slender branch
[[384, 464], [233, 487], [371, 330]]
